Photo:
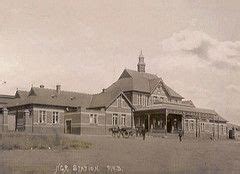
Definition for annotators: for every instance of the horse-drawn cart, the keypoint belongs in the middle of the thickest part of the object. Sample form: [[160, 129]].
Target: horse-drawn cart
[[125, 132]]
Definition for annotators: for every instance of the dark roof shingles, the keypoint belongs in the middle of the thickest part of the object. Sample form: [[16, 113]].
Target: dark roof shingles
[[46, 96]]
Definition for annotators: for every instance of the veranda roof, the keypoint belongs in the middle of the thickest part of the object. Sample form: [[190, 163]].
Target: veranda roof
[[181, 109]]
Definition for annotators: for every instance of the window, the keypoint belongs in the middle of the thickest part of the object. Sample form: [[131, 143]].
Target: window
[[191, 125], [161, 99], [202, 127], [144, 100], [93, 119], [42, 116], [55, 117], [222, 129], [154, 99], [147, 100], [150, 100], [123, 120], [115, 119], [139, 101]]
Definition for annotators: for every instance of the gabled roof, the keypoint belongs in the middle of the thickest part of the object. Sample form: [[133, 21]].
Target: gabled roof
[[143, 82], [46, 96], [220, 119], [171, 92], [130, 80], [138, 75], [21, 94], [4, 99], [153, 84], [104, 99]]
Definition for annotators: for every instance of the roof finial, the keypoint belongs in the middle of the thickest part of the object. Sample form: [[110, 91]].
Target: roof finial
[[141, 53], [141, 64]]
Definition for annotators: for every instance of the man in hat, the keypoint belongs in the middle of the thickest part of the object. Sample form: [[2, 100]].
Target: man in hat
[[180, 134]]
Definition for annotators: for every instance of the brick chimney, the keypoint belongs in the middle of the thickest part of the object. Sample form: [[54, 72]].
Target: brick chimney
[[58, 88]]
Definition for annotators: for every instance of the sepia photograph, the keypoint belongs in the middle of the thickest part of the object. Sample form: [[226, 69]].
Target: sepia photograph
[[119, 87]]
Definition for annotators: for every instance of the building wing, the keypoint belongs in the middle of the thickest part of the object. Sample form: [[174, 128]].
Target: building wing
[[44, 96], [5, 99]]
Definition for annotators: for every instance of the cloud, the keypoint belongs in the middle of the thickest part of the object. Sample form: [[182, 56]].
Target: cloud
[[221, 55], [203, 69]]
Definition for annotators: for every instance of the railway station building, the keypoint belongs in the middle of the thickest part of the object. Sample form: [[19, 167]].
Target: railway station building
[[135, 99]]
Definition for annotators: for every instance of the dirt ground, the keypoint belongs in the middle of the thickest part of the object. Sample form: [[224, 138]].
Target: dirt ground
[[133, 155]]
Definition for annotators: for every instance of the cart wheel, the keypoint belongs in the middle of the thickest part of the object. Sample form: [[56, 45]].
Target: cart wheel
[[126, 134]]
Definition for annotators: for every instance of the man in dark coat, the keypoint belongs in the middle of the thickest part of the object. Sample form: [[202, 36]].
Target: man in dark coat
[[180, 134], [143, 132]]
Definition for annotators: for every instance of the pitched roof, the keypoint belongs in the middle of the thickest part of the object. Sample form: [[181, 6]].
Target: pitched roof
[[21, 94], [129, 80], [104, 99], [144, 82], [45, 96], [179, 107], [171, 92], [138, 75], [4, 99], [220, 118]]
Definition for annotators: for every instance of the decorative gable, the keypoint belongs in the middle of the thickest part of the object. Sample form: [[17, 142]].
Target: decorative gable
[[159, 91], [120, 102], [125, 74], [114, 104], [17, 95], [32, 92]]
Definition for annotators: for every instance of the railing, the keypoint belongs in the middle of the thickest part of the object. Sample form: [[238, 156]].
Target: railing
[[173, 102]]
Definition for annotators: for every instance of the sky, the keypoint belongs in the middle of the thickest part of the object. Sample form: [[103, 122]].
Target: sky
[[85, 45]]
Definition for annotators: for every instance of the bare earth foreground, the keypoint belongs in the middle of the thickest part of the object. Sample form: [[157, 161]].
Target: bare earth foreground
[[133, 155]]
